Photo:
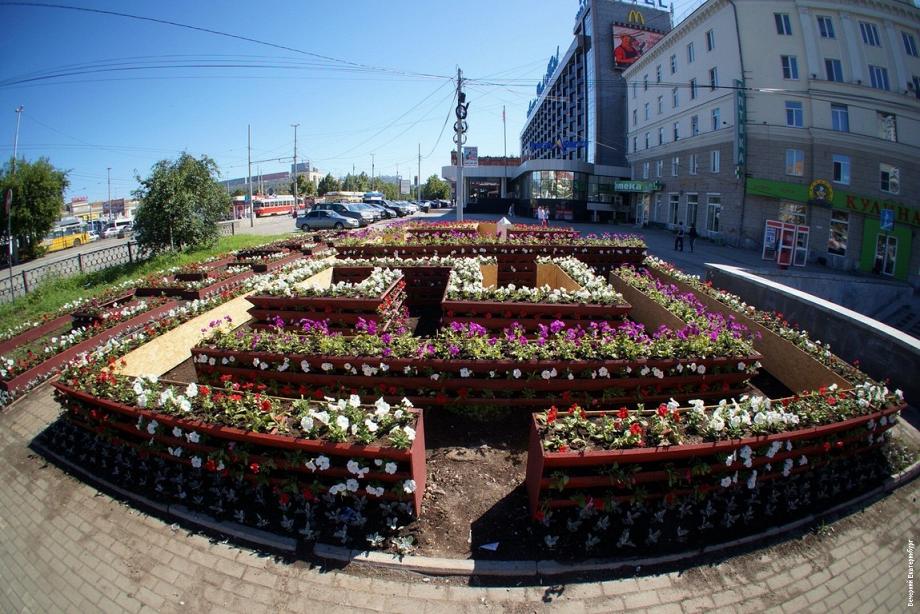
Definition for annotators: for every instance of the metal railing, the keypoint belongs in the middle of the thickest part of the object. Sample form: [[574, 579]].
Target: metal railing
[[26, 280]]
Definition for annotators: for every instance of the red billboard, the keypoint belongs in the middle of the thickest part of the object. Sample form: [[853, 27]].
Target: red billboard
[[629, 43]]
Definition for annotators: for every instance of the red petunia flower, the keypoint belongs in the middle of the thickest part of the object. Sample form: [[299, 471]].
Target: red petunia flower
[[254, 467], [623, 413], [635, 428], [662, 410], [266, 405]]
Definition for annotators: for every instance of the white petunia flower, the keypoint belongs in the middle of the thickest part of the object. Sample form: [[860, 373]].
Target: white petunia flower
[[390, 468], [409, 486]]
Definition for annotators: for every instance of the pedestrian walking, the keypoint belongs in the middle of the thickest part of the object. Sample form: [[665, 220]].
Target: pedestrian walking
[[679, 237], [511, 210], [692, 235]]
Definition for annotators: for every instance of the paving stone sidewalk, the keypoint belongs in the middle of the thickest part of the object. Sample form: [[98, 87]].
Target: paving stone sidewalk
[[66, 547]]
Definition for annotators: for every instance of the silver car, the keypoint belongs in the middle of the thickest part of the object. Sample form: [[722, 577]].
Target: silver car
[[319, 219]]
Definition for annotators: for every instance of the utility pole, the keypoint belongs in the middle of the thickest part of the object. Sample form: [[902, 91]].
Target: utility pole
[[373, 176], [295, 166], [418, 178], [8, 198], [504, 193], [109, 178], [252, 217], [398, 184], [460, 138]]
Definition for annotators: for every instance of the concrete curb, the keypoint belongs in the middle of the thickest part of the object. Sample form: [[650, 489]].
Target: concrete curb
[[474, 567]]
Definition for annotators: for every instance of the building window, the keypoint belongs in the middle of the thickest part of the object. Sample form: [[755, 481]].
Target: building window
[[673, 63], [661, 135], [645, 107], [645, 170], [841, 169], [879, 77], [635, 144], [675, 166], [791, 213], [794, 118], [915, 81], [692, 89], [716, 119], [635, 89], [694, 125], [658, 74], [660, 105], [646, 140], [645, 83], [635, 117], [691, 54], [795, 162], [910, 44], [783, 25], [870, 34], [888, 126], [713, 212], [825, 26], [834, 69], [673, 208], [840, 117], [715, 160], [659, 168], [890, 178], [675, 99], [838, 233], [713, 78], [693, 203], [790, 67], [710, 40], [676, 130], [694, 164]]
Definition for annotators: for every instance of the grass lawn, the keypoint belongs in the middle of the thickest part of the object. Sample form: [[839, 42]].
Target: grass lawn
[[52, 294]]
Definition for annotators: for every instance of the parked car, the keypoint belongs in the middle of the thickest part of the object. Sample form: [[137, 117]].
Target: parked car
[[390, 206], [384, 212], [318, 219], [126, 231], [424, 205], [375, 213], [115, 228], [363, 217]]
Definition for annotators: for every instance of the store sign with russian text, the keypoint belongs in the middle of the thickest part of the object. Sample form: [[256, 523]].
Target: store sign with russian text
[[637, 186]]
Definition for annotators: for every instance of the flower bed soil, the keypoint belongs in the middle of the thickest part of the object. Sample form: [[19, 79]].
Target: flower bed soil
[[203, 268], [87, 314], [56, 361]]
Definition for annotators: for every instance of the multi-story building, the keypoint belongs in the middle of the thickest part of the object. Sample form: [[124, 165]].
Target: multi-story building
[[572, 142], [798, 111]]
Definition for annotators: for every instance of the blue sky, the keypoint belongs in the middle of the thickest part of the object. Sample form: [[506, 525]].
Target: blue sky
[[129, 118]]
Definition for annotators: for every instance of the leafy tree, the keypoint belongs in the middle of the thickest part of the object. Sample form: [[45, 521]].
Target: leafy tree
[[436, 188], [38, 198], [305, 187], [328, 184], [181, 203], [239, 192], [390, 191]]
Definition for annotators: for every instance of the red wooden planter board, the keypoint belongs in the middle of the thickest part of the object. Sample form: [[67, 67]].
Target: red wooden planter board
[[201, 293], [70, 353], [34, 333], [414, 456], [540, 462]]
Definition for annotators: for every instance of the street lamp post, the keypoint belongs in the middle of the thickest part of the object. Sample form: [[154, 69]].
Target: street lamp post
[[109, 181], [295, 166], [8, 199]]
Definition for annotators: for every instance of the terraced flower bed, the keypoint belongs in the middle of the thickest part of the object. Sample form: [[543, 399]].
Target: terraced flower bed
[[472, 295], [216, 282], [541, 233], [265, 263], [466, 365], [42, 356], [675, 463], [376, 299], [293, 465]]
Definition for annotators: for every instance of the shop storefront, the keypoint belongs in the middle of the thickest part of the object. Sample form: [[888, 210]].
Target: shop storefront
[[870, 234]]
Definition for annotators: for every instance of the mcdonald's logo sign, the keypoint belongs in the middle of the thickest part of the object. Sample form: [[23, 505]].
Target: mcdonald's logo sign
[[635, 17]]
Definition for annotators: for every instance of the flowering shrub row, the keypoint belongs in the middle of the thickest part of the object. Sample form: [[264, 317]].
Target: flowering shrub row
[[775, 322], [671, 425]]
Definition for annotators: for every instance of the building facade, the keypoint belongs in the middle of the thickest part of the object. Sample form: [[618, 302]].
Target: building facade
[[572, 142], [798, 111]]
